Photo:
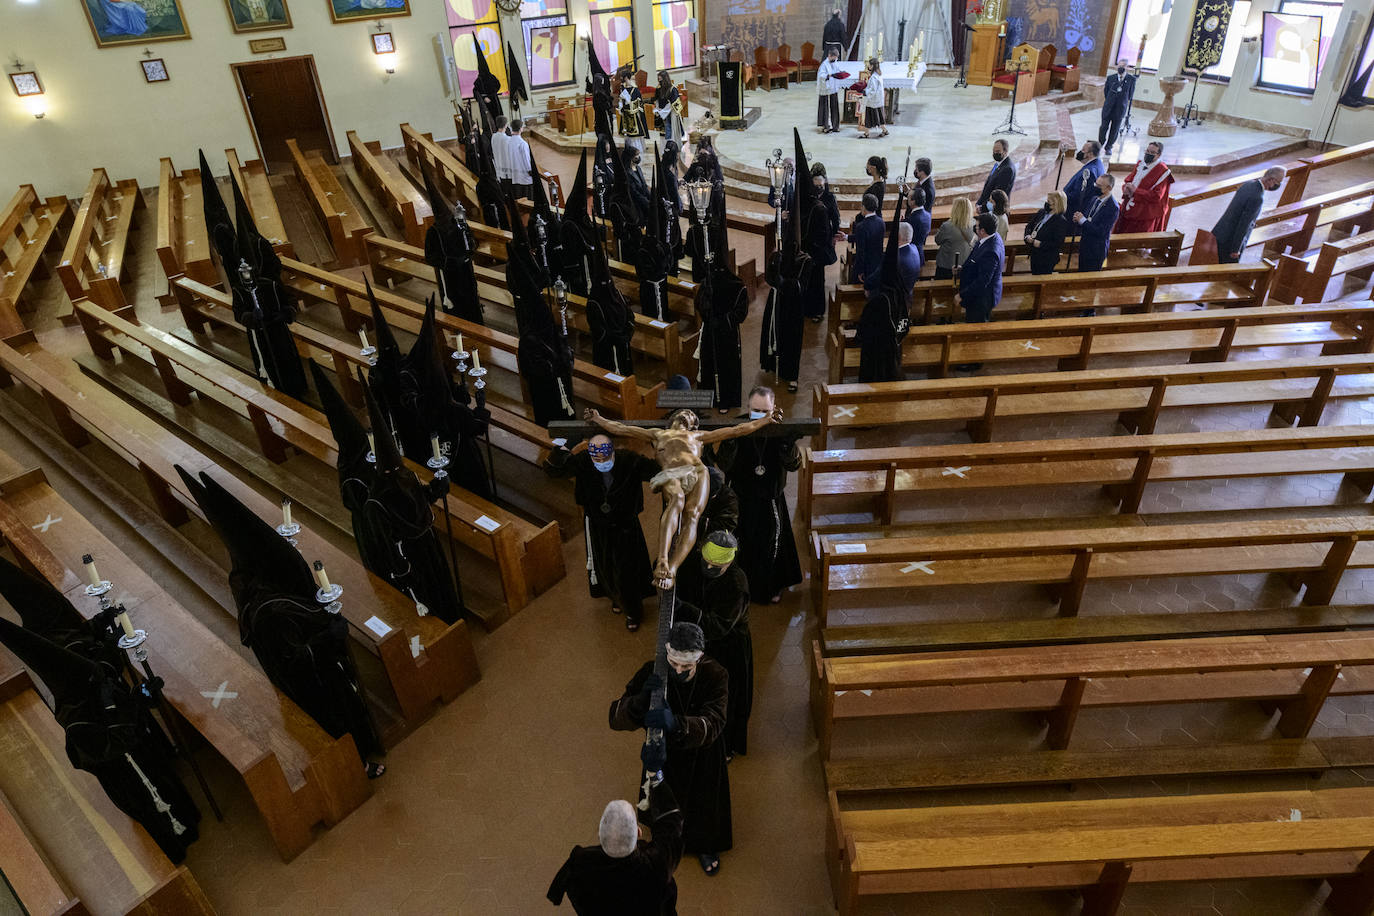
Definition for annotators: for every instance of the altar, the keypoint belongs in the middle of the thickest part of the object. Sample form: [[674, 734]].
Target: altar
[[895, 79]]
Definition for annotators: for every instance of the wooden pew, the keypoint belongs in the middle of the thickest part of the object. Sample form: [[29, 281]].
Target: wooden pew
[[183, 247], [1290, 228], [1306, 278], [405, 205], [93, 260], [1142, 289], [528, 557], [1210, 335], [453, 178], [1124, 250], [1124, 465], [1099, 847], [30, 877], [106, 862], [1293, 386], [864, 564], [445, 664], [342, 221], [297, 775], [395, 262], [257, 193], [203, 306], [27, 226], [617, 395]]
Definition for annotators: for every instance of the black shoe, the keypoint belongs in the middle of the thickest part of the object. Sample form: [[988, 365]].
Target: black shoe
[[631, 624]]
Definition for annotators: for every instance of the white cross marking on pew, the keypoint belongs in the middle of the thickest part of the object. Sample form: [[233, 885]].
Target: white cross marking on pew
[[845, 412], [186, 197], [8, 274], [1029, 345], [219, 695], [1068, 298], [399, 260], [957, 472], [46, 216], [47, 523], [328, 193], [108, 218], [922, 565], [275, 241]]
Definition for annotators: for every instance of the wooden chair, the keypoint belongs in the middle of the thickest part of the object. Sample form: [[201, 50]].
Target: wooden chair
[[767, 68], [1043, 62], [808, 63], [642, 83], [1005, 80], [750, 74], [785, 60], [1065, 76]]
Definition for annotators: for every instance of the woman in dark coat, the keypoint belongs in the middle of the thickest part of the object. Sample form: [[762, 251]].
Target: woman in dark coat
[[877, 170], [1046, 232]]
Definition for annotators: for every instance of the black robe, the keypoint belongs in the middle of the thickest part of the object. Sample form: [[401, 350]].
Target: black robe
[[640, 884], [780, 335], [612, 324], [818, 240], [265, 310], [545, 362], [723, 306], [768, 548], [696, 769], [427, 408], [879, 335], [545, 233], [448, 249], [720, 606], [398, 524], [652, 265], [577, 248], [618, 564]]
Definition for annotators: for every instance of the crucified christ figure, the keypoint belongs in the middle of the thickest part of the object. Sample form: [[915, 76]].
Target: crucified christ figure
[[683, 482]]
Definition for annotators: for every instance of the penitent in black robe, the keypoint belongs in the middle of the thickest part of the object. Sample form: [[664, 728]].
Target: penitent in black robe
[[723, 305], [448, 249], [768, 548], [610, 321], [696, 768], [879, 339], [397, 522], [618, 565], [720, 606]]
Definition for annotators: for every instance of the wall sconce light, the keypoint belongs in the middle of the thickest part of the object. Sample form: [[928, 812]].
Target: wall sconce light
[[384, 46], [29, 87]]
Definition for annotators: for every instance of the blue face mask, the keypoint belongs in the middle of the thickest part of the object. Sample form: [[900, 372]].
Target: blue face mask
[[604, 466], [757, 414]]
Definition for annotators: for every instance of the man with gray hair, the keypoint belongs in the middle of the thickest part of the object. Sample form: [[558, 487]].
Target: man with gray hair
[[626, 874], [1233, 229]]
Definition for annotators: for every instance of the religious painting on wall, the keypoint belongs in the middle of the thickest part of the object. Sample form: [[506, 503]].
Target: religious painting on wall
[[1211, 20], [1290, 51], [552, 52], [469, 19], [1066, 24], [122, 22], [256, 15], [350, 10]]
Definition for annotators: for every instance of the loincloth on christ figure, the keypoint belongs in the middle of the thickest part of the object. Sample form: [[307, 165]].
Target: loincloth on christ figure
[[687, 473]]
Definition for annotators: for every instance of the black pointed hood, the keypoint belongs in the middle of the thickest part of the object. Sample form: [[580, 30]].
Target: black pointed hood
[[653, 219], [541, 197], [388, 454], [576, 201], [438, 205], [349, 434], [515, 80], [381, 329], [804, 189], [219, 229], [42, 608], [891, 276], [67, 676], [253, 248], [594, 68]]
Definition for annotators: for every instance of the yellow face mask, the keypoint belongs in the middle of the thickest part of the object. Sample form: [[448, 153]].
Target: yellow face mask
[[718, 555]]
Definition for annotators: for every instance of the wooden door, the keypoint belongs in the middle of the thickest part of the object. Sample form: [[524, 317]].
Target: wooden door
[[283, 100]]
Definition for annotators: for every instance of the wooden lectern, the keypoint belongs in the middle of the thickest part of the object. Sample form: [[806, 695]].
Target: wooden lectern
[[984, 52]]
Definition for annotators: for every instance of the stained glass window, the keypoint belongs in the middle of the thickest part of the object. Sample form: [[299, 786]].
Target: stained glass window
[[1145, 21], [469, 19], [674, 43]]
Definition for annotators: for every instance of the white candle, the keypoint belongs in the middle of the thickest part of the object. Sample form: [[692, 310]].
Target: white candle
[[476, 361], [434, 446], [286, 513], [126, 624], [459, 348], [371, 443], [320, 576], [90, 570], [362, 335]]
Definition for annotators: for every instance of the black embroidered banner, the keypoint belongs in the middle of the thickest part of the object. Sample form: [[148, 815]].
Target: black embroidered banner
[[1211, 18]]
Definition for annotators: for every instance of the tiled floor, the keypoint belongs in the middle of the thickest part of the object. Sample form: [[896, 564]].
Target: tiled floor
[[482, 803]]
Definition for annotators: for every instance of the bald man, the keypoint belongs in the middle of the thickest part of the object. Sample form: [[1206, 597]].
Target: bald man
[[1233, 229]]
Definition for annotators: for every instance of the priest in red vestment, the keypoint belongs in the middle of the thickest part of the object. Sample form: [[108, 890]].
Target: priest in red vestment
[[1145, 196]]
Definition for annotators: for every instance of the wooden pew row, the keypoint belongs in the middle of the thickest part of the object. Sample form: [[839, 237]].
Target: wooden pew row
[[866, 564], [297, 775], [1295, 186], [1142, 289], [394, 262], [1125, 466], [28, 225], [1291, 228], [528, 557], [1209, 335], [81, 411], [1101, 847], [203, 307], [617, 395], [406, 206], [257, 193], [1298, 389], [183, 247], [93, 260], [343, 223], [454, 179], [1126, 250], [1306, 278], [30, 877], [1294, 672], [102, 862]]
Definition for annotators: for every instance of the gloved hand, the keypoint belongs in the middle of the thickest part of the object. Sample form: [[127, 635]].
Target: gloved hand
[[439, 487], [652, 684], [662, 719], [654, 755]]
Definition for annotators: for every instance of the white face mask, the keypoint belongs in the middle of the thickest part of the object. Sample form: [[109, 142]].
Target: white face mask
[[757, 414], [604, 466]]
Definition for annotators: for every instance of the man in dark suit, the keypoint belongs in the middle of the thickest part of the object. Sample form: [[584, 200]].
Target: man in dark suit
[[868, 236], [1082, 187], [980, 279], [1095, 224], [918, 218], [925, 182], [1116, 98], [1001, 178], [1233, 229]]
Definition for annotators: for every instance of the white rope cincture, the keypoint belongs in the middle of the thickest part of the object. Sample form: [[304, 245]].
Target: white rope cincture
[[162, 807], [591, 562], [563, 397]]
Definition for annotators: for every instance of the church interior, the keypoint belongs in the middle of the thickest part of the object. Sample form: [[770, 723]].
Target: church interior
[[299, 614]]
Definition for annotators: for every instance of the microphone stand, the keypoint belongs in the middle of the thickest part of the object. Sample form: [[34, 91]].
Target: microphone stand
[[1009, 126], [962, 81]]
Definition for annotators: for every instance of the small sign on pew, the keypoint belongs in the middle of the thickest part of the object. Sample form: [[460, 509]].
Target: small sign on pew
[[851, 548], [486, 523], [377, 626]]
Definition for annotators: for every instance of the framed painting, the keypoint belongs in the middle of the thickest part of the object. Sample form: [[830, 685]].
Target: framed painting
[[349, 10], [154, 70], [257, 15], [26, 83], [123, 22]]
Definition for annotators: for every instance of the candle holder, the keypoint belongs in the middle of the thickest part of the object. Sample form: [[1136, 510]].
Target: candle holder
[[95, 591], [478, 375], [133, 642], [461, 358], [97, 586], [371, 456], [330, 597], [370, 352]]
